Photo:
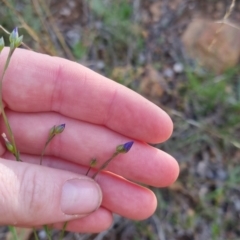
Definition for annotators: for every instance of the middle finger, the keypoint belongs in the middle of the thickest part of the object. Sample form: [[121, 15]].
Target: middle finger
[[81, 141]]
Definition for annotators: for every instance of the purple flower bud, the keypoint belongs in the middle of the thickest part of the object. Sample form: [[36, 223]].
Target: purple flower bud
[[15, 32], [124, 148], [56, 130], [15, 40], [59, 128], [14, 35]]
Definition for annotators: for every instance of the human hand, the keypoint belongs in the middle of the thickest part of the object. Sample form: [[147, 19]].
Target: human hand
[[41, 91]]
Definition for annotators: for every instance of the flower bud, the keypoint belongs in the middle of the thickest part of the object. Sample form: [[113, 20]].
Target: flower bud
[[14, 35], [2, 44], [56, 130], [52, 132], [9, 146], [18, 42], [124, 148], [93, 162], [59, 128], [15, 40]]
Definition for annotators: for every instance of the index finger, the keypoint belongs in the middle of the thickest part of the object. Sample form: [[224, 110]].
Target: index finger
[[38, 83]]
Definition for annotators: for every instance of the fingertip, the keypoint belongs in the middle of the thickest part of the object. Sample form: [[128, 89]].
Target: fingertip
[[165, 128], [108, 220], [160, 171], [169, 171], [173, 171], [160, 125], [148, 210], [96, 222]]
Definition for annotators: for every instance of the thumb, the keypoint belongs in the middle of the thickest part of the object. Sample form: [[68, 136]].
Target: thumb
[[33, 195]]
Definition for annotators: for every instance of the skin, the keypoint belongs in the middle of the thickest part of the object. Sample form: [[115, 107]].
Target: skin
[[40, 91]]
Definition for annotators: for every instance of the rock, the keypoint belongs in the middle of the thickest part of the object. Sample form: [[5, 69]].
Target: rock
[[152, 83], [214, 49], [156, 11], [168, 73], [178, 68]]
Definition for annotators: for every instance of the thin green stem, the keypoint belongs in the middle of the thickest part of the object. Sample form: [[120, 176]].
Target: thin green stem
[[13, 231], [92, 164], [105, 165], [35, 234], [44, 149], [2, 108], [63, 230], [88, 170], [46, 228]]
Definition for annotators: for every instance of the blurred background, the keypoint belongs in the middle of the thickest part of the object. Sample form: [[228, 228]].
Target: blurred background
[[180, 55]]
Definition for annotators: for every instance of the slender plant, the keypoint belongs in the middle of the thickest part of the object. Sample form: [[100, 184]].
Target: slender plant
[[16, 41], [123, 148], [52, 133]]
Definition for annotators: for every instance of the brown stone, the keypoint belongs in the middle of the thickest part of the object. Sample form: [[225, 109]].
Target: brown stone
[[152, 84], [214, 45], [156, 11]]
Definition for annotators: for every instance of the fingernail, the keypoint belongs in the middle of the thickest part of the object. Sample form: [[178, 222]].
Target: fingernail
[[80, 196]]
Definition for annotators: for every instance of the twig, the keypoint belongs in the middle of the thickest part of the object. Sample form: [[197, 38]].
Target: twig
[[229, 24], [204, 128], [226, 16], [30, 31], [39, 11], [56, 30]]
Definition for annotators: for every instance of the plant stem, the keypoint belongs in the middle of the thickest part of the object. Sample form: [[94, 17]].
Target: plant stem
[[13, 231], [35, 234], [44, 149], [88, 170], [105, 165], [63, 230], [2, 108], [46, 228]]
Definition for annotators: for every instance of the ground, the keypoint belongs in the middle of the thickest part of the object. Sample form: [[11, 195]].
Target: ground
[[138, 43]]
